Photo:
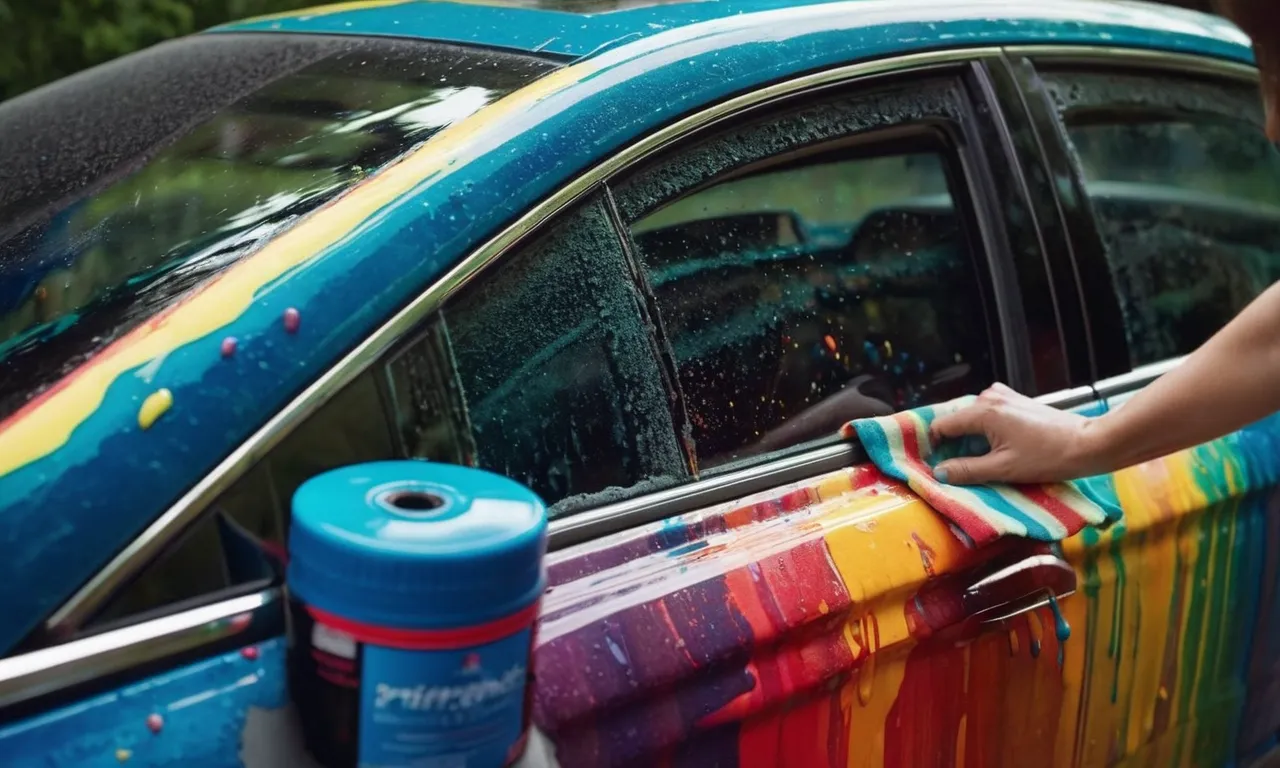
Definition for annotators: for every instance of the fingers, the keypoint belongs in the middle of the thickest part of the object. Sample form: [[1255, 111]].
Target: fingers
[[966, 421], [971, 470]]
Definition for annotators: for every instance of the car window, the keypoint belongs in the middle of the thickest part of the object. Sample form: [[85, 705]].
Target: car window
[[1185, 188], [199, 152], [542, 369], [802, 283]]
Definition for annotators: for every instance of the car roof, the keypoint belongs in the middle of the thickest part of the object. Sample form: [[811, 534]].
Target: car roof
[[581, 28], [350, 266]]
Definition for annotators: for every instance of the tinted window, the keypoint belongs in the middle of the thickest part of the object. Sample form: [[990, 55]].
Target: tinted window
[[812, 286], [124, 187], [1186, 191], [558, 370]]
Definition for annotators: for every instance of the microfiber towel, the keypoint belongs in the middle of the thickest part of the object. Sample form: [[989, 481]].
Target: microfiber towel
[[899, 446]]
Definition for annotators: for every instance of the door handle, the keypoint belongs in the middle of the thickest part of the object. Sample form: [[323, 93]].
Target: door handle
[[1023, 586], [965, 603]]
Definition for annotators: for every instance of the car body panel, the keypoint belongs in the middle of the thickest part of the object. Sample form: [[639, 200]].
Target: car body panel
[[789, 629], [203, 709], [357, 260]]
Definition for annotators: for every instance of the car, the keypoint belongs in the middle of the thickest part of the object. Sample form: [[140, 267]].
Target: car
[[645, 259]]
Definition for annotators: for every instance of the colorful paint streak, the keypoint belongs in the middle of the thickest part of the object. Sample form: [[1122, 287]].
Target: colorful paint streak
[[820, 625], [198, 714]]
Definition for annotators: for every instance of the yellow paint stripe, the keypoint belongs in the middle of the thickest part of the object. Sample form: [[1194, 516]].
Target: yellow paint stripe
[[46, 424]]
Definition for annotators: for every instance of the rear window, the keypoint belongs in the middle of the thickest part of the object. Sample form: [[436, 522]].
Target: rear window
[[126, 186]]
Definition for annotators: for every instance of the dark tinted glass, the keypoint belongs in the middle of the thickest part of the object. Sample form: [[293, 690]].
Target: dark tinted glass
[[1186, 191], [229, 140], [562, 388], [808, 292]]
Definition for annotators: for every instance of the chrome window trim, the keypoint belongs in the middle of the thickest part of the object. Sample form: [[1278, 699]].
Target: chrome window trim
[[93, 594], [1128, 383], [1166, 61], [612, 518], [240, 620]]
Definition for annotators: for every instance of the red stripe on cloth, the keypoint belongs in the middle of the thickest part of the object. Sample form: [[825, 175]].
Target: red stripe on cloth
[[974, 524], [1070, 517]]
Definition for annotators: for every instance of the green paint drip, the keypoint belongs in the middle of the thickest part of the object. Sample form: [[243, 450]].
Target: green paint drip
[[1117, 612]]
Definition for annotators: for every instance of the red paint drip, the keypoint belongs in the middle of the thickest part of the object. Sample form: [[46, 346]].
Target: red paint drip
[[292, 319], [154, 722], [229, 346], [250, 652]]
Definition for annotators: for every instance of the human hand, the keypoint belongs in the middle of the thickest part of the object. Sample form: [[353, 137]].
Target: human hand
[[1030, 442]]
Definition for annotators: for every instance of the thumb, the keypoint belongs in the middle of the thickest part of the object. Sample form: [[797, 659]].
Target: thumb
[[969, 470]]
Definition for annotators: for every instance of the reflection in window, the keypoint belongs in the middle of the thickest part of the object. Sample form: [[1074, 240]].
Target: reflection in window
[[92, 256], [1186, 191], [801, 295]]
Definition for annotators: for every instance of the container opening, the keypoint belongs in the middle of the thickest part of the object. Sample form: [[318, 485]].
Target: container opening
[[413, 501]]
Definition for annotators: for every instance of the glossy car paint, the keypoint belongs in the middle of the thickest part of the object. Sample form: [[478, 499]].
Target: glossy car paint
[[195, 715], [352, 263], [797, 628], [783, 629]]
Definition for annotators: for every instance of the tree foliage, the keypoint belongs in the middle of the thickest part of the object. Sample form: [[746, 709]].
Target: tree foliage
[[43, 40]]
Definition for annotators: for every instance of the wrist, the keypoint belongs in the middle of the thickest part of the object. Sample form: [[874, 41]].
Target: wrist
[[1093, 447]]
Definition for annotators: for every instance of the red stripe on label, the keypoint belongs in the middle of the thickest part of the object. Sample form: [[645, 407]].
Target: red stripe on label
[[429, 639]]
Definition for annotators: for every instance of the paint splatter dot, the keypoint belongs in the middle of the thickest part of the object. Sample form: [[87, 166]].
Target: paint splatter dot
[[42, 293], [154, 407], [229, 346], [292, 319], [250, 652], [123, 755], [154, 722]]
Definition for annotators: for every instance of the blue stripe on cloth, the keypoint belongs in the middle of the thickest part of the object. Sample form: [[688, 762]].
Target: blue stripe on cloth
[[1089, 499]]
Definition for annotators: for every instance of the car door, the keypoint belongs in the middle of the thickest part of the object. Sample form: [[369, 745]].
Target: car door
[[849, 253], [1178, 194]]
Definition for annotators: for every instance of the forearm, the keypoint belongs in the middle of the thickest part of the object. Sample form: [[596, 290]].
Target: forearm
[[1231, 381]]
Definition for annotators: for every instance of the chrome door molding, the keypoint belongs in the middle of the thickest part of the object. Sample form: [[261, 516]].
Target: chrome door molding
[[612, 518], [238, 621], [129, 561], [1128, 383]]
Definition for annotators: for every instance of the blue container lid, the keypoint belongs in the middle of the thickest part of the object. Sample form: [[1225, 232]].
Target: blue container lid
[[416, 545]]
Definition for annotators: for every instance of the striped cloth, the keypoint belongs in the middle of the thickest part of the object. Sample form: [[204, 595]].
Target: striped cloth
[[899, 446]]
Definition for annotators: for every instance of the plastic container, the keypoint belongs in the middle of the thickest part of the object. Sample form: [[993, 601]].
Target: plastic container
[[413, 592]]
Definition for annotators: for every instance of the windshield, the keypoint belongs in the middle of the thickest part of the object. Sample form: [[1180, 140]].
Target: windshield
[[125, 187]]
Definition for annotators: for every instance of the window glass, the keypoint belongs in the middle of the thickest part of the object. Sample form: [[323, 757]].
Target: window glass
[[812, 285], [1186, 191], [559, 372]]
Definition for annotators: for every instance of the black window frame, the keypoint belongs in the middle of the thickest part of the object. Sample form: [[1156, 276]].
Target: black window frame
[[1095, 285]]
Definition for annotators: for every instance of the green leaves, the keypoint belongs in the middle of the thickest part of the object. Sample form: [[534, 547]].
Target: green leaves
[[43, 40]]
